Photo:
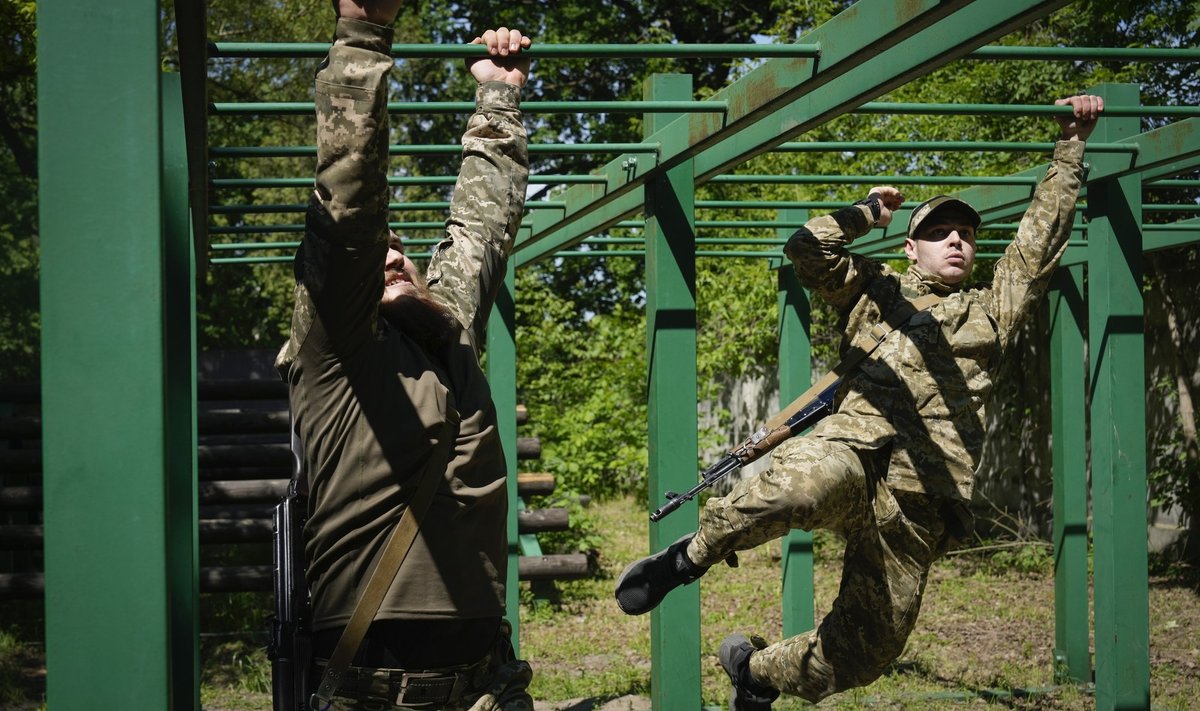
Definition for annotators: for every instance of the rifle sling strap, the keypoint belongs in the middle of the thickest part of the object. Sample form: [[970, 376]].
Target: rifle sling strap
[[878, 333], [395, 550]]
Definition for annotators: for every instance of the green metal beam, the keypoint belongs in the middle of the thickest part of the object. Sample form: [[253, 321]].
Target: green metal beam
[[795, 376], [687, 51], [306, 108], [107, 390], [904, 108], [431, 148], [1068, 314], [502, 377], [1117, 347], [782, 98], [538, 51], [673, 446], [243, 183]]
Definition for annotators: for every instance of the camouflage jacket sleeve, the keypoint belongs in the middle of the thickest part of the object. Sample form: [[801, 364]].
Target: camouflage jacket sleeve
[[1023, 273], [339, 267], [823, 263], [468, 266]]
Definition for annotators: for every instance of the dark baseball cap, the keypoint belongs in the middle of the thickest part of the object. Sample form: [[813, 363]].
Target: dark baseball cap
[[940, 203]]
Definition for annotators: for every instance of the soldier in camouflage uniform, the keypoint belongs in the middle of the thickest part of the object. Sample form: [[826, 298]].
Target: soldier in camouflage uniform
[[892, 470], [383, 364]]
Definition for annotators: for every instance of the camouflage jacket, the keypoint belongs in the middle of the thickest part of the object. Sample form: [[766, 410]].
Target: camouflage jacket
[[923, 392], [369, 401]]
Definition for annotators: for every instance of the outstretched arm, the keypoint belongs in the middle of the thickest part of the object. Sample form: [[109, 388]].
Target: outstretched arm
[[1022, 275], [469, 264]]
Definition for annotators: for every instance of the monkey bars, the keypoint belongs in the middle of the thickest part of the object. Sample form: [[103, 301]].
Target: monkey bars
[[124, 307]]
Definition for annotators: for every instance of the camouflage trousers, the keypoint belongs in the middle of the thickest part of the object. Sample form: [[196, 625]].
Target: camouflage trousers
[[496, 683], [892, 538]]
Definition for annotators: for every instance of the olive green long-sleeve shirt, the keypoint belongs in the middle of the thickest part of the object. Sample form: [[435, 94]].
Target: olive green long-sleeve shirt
[[923, 392], [368, 401]]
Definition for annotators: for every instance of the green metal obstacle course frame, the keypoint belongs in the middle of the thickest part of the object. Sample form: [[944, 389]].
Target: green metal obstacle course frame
[[120, 258]]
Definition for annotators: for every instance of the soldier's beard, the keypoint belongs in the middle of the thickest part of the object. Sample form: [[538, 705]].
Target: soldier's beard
[[423, 319]]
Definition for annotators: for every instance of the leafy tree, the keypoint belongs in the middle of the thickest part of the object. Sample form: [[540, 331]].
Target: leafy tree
[[19, 316]]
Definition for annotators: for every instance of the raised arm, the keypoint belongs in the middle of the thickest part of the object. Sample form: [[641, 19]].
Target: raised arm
[[339, 266], [819, 250], [469, 264], [1022, 275]]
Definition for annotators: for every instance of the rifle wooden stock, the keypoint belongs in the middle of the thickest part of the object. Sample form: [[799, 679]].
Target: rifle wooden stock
[[801, 414]]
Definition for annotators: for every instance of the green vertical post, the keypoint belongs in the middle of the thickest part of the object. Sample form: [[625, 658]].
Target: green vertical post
[[1072, 657], [1117, 342], [795, 376], [106, 395], [674, 443], [183, 557], [502, 376]]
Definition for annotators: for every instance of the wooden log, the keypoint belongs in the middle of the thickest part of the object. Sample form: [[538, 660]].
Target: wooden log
[[522, 414], [242, 390], [535, 483], [245, 473], [22, 586], [257, 578], [542, 520], [528, 448], [21, 427], [244, 422], [21, 535], [21, 497], [227, 492], [242, 530], [566, 566], [243, 455], [20, 461]]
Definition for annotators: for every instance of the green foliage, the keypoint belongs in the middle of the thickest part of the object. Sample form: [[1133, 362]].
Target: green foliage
[[19, 317]]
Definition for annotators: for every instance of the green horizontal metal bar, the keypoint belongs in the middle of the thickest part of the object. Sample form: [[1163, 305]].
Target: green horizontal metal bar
[[1172, 227], [1151, 207], [395, 206], [1122, 54], [769, 204], [254, 246], [221, 183], [1175, 184], [876, 179], [1185, 232], [432, 149], [902, 108], [781, 99], [537, 51], [939, 146], [236, 246], [1168, 150], [268, 229], [306, 108]]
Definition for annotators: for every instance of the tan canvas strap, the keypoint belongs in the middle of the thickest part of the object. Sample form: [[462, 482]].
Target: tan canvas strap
[[380, 579], [878, 333]]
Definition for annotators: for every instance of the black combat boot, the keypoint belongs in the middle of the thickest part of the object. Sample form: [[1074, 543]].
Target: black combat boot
[[748, 695], [645, 583]]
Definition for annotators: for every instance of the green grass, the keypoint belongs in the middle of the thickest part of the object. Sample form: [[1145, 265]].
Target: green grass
[[985, 633]]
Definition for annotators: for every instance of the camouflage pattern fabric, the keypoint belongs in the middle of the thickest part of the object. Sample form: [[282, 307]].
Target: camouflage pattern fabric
[[893, 468], [497, 683], [923, 392], [369, 398], [816, 483]]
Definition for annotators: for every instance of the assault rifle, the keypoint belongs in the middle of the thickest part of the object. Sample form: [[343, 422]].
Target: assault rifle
[[290, 650], [799, 416]]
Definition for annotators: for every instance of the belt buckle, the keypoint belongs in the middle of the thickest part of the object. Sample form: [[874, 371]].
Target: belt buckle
[[426, 688]]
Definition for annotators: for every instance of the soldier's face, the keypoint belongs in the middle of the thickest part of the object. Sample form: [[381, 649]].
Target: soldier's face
[[400, 276], [945, 249]]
